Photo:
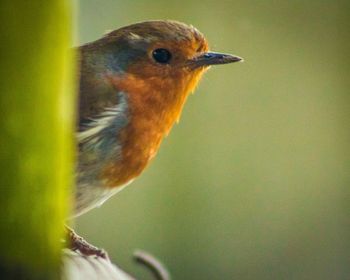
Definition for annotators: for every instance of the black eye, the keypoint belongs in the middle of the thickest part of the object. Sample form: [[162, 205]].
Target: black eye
[[161, 55]]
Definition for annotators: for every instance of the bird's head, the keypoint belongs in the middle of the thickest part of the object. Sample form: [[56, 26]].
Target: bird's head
[[158, 62]]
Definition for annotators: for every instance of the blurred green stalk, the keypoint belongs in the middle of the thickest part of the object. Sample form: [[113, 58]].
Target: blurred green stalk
[[36, 124]]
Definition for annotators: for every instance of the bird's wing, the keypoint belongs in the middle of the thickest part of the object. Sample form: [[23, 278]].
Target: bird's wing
[[98, 135], [98, 140]]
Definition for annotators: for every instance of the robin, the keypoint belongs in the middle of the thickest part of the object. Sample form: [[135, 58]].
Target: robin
[[134, 82]]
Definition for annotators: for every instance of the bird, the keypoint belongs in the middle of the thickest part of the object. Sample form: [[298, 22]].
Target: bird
[[133, 84]]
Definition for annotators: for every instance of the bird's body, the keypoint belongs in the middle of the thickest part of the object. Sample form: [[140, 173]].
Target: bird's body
[[133, 85]]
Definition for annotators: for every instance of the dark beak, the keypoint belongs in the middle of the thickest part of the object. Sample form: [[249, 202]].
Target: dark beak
[[213, 58]]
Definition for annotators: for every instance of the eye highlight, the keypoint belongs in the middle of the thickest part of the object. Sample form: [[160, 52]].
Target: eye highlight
[[162, 56]]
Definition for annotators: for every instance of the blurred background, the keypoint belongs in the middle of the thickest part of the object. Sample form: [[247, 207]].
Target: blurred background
[[254, 181]]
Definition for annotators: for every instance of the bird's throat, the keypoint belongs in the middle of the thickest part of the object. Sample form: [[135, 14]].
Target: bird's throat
[[154, 106]]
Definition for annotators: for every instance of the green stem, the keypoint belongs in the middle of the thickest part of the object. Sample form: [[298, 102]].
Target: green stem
[[36, 124]]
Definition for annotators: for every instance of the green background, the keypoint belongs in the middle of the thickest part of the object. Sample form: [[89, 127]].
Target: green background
[[254, 181]]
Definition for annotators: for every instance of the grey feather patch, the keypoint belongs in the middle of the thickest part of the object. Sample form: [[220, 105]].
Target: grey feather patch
[[100, 135], [99, 145]]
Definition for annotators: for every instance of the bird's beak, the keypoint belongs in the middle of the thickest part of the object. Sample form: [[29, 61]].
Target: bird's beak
[[213, 58]]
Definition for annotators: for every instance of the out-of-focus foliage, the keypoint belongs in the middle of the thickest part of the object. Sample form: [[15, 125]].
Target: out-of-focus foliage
[[254, 181], [36, 124]]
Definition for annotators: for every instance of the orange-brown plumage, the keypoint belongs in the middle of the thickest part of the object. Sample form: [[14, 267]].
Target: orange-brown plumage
[[147, 127], [156, 97], [133, 85]]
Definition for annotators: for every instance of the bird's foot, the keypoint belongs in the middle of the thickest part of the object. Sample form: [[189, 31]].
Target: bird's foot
[[77, 243]]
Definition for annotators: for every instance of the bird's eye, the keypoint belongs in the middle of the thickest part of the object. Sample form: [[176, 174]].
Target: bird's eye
[[161, 55]]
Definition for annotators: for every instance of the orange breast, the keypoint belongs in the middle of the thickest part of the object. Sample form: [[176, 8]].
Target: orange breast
[[154, 106]]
